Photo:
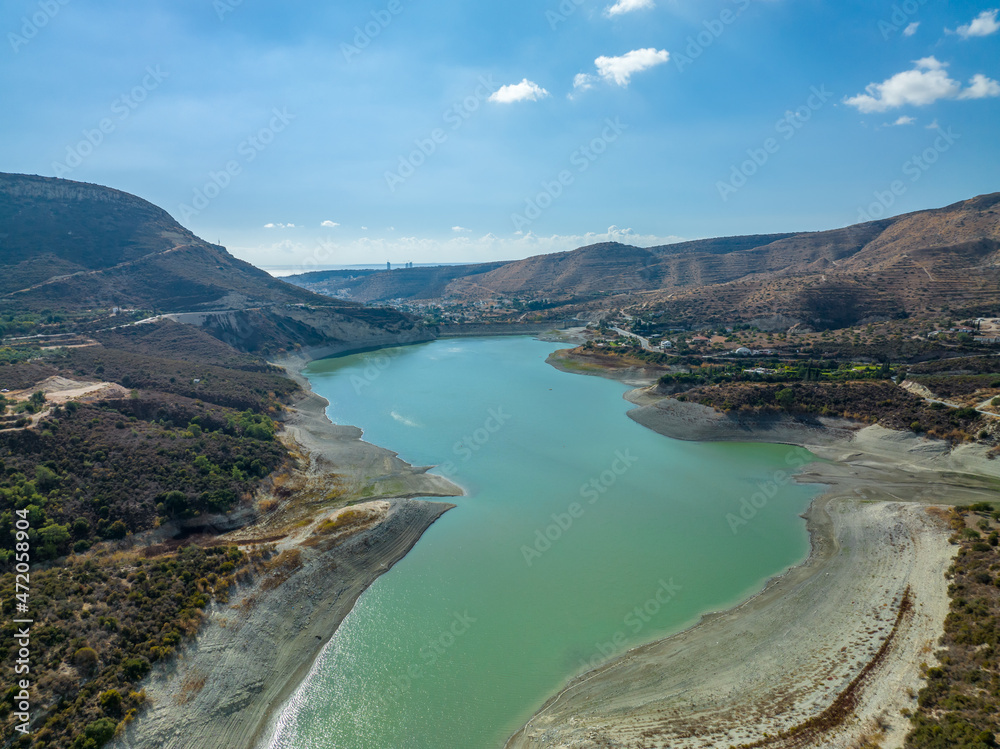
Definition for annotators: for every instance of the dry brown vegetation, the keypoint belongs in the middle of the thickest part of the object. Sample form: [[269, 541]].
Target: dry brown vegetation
[[100, 623], [960, 706], [282, 567], [811, 732], [910, 266], [98, 472]]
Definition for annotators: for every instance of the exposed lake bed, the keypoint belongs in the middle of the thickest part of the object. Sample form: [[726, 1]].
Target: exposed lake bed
[[584, 582], [583, 535]]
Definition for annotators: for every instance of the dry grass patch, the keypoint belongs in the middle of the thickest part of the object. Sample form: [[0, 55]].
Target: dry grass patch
[[281, 568], [190, 687]]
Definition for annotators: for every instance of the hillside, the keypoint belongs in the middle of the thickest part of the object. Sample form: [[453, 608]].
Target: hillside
[[408, 283], [126, 449], [72, 245], [74, 252], [587, 270], [916, 264]]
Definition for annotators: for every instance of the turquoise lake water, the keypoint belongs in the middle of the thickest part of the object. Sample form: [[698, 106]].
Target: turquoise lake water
[[583, 534]]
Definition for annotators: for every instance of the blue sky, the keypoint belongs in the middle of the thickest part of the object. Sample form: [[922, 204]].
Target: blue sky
[[307, 133]]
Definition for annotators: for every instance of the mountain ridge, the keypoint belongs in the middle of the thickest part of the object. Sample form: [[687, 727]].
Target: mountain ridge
[[914, 263], [83, 244]]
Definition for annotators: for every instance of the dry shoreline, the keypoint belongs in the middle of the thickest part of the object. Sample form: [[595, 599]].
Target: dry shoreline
[[227, 689], [783, 656], [607, 367], [224, 690]]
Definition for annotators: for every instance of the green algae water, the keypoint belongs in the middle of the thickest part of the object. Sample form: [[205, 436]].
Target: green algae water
[[582, 534]]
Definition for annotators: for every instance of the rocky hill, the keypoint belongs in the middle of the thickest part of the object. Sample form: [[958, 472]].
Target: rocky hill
[[915, 264], [71, 247], [408, 283]]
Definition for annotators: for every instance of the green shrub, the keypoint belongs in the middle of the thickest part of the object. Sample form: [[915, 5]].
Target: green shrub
[[135, 669], [958, 707], [85, 660], [785, 398], [116, 530], [111, 702], [101, 731]]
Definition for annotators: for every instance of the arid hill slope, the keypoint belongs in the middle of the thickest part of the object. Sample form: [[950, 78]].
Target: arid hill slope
[[914, 264]]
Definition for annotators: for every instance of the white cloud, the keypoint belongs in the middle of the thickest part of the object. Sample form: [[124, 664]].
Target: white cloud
[[329, 224], [273, 225], [620, 235], [982, 25], [621, 69], [460, 230], [905, 120], [911, 29], [583, 82], [925, 84], [627, 6], [524, 91], [980, 87]]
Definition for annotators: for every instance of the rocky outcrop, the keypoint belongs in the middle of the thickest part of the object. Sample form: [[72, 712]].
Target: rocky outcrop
[[48, 188], [307, 332]]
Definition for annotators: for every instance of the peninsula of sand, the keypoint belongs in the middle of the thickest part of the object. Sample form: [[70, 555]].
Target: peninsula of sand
[[826, 655]]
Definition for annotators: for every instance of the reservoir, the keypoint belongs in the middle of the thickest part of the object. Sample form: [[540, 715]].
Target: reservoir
[[581, 535]]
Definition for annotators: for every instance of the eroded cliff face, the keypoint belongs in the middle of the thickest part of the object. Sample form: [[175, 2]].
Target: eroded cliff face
[[46, 188], [252, 653], [310, 332], [339, 333]]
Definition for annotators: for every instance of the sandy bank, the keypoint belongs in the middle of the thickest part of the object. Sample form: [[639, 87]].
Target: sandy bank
[[612, 368], [853, 444], [256, 649], [685, 420], [224, 688], [785, 655], [352, 467]]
